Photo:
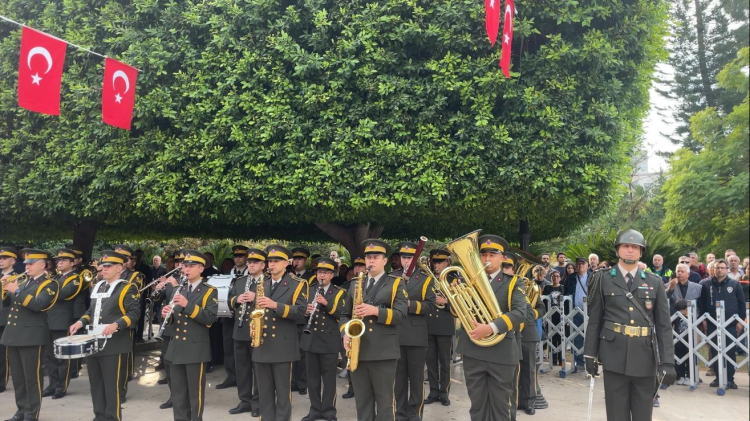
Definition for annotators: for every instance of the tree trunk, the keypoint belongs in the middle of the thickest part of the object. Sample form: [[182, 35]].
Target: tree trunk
[[524, 234], [84, 234], [700, 28], [351, 236]]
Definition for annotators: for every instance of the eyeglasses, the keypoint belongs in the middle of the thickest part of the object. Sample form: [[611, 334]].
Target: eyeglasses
[[720, 268], [684, 262]]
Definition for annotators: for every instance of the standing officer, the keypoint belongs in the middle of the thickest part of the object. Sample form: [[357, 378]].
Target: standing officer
[[299, 266], [412, 337], [243, 294], [527, 380], [129, 274], [383, 308], [239, 270], [8, 256], [489, 370], [116, 302], [441, 327], [321, 343], [195, 308], [629, 332], [27, 332], [59, 318], [284, 303]]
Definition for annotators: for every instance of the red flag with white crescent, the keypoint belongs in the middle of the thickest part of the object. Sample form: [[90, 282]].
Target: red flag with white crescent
[[118, 93], [510, 11], [40, 71], [492, 18]]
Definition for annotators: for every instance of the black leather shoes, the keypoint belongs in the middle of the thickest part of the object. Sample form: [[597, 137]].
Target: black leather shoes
[[529, 411], [731, 385], [166, 405], [123, 399], [58, 395], [2, 389], [445, 401], [303, 392], [239, 409], [347, 395], [255, 414], [162, 381], [311, 417], [431, 399], [159, 366], [48, 392], [16, 418], [226, 385]]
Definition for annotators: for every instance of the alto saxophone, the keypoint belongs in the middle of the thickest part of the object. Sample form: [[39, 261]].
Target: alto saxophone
[[256, 316], [355, 327]]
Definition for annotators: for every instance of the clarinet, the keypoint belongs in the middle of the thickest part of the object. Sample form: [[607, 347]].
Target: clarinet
[[180, 288], [243, 309], [312, 313]]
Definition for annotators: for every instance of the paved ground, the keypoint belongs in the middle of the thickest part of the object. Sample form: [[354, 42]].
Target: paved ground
[[567, 398]]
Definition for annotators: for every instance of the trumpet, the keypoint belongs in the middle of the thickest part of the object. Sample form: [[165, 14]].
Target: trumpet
[[23, 277]]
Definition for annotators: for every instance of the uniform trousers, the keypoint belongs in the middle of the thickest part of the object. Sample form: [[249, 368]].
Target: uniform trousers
[[167, 364], [125, 367], [527, 377], [276, 393], [25, 363], [247, 386], [410, 383], [373, 383], [299, 373], [188, 391], [59, 371], [104, 379], [628, 398], [439, 365], [322, 367], [4, 372], [227, 330], [490, 386]]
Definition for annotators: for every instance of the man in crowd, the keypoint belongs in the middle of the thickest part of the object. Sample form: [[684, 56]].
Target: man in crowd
[[694, 276], [576, 286], [734, 271], [681, 289], [210, 269], [593, 262], [561, 264], [659, 269], [729, 252], [157, 270], [710, 257], [696, 265]]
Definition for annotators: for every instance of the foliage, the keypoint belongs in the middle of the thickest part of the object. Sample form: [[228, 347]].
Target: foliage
[[708, 193], [255, 117]]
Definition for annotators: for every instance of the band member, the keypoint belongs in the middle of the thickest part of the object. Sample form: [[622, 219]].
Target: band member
[[441, 327], [299, 267], [383, 308], [629, 332], [59, 318], [489, 370], [114, 309], [194, 308], [243, 294], [129, 274], [8, 256], [27, 331], [284, 302], [412, 337], [86, 275], [321, 343], [358, 266], [240, 269]]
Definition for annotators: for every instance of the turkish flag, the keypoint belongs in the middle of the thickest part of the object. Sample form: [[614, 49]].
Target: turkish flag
[[40, 71], [492, 18], [118, 93], [510, 12]]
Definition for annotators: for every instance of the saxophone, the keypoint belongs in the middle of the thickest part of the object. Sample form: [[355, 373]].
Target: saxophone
[[256, 316], [355, 327]]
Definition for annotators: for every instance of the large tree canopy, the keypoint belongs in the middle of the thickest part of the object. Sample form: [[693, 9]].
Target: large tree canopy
[[260, 113]]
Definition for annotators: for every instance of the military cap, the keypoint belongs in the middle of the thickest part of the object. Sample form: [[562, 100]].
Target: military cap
[[375, 246], [194, 257], [8, 252], [123, 249], [76, 250], [179, 255], [65, 253], [324, 263], [240, 250], [510, 259], [256, 254], [300, 252], [439, 255], [111, 257], [359, 261], [492, 243], [631, 236], [32, 255], [279, 252], [406, 248]]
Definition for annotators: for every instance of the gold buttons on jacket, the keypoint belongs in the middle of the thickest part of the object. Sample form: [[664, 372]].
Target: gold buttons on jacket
[[176, 336], [184, 338], [631, 308], [632, 322], [178, 329]]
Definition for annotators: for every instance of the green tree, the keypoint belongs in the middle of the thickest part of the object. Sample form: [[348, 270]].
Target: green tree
[[707, 193], [255, 117]]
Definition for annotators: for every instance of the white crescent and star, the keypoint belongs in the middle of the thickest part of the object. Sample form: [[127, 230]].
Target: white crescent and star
[[120, 75], [508, 15], [35, 79]]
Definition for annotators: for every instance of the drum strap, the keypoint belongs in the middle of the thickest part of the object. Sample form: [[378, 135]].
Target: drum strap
[[100, 297]]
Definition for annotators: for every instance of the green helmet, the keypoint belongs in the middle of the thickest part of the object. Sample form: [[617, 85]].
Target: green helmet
[[630, 236]]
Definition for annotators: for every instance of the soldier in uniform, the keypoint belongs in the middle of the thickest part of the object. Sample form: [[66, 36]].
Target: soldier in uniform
[[489, 370], [86, 275], [358, 266], [629, 332], [243, 294], [321, 343], [8, 256], [240, 270], [383, 308], [299, 267], [284, 303], [27, 332], [116, 302], [59, 318], [412, 337], [196, 306], [129, 274], [441, 327]]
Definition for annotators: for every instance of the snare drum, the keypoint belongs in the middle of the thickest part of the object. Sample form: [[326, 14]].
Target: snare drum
[[78, 346], [223, 285]]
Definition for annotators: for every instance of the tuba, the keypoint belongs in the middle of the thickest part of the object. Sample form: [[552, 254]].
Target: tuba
[[355, 327], [473, 299]]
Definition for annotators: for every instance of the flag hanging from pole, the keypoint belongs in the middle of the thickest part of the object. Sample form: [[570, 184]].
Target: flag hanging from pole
[[118, 93], [510, 12], [492, 19], [40, 71]]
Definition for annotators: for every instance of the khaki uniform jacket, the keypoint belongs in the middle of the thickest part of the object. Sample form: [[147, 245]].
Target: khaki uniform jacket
[[380, 340], [421, 302], [631, 356], [190, 341], [122, 307], [280, 341], [27, 320], [512, 301], [324, 337], [60, 316], [528, 328], [238, 288]]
